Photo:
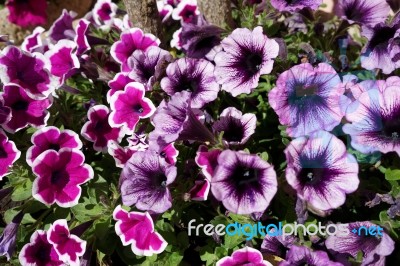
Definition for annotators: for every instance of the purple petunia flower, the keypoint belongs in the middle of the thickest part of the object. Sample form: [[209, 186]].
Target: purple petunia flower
[[121, 154], [367, 13], [39, 251], [137, 229], [147, 67], [98, 130], [374, 121], [277, 244], [68, 246], [237, 127], [193, 75], [207, 160], [33, 41], [62, 28], [131, 40], [301, 255], [51, 138], [8, 239], [247, 55], [129, 106], [164, 10], [176, 39], [104, 12], [243, 182], [307, 99], [174, 120], [59, 176], [244, 256], [186, 11], [27, 13], [24, 110], [200, 190], [383, 48], [80, 38], [5, 112], [118, 83], [62, 59], [144, 182], [169, 153], [374, 247], [320, 170], [295, 5], [27, 71], [8, 154]]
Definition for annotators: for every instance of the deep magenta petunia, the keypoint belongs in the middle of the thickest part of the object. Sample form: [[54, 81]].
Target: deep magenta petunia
[[80, 38], [27, 13], [307, 99], [62, 28], [59, 176], [169, 153], [207, 160], [193, 75], [68, 246], [98, 130], [244, 182], [33, 41], [144, 182], [28, 71], [5, 112], [237, 127], [129, 106], [104, 12], [244, 256], [8, 154], [118, 83], [62, 59], [137, 229], [295, 5], [24, 110], [121, 154], [131, 40], [51, 138], [39, 251], [186, 11], [320, 170], [200, 190], [245, 57]]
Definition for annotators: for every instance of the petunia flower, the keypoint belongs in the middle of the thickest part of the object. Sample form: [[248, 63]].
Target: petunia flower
[[374, 121], [27, 13], [59, 176], [137, 229], [129, 106], [207, 160], [176, 39], [9, 154], [104, 11], [51, 138], [98, 130], [302, 255], [164, 10], [307, 99], [24, 110], [33, 41], [68, 246], [244, 256], [374, 247], [80, 38], [62, 28], [5, 112], [118, 83], [186, 11], [237, 127], [295, 5], [144, 182], [320, 170], [277, 244], [27, 71], [175, 120], [245, 57], [130, 41], [367, 13], [62, 59], [8, 239], [148, 67], [193, 75], [121, 154], [243, 182], [39, 251], [169, 154], [200, 190]]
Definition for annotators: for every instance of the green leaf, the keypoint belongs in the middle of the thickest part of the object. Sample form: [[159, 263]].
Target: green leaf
[[22, 191], [87, 210], [392, 174]]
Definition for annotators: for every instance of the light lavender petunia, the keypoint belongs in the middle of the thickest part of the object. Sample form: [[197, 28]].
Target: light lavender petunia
[[302, 255], [295, 5], [8, 239]]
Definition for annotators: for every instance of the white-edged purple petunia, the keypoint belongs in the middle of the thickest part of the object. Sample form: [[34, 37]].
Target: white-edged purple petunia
[[59, 176], [51, 138], [207, 160], [200, 190], [193, 75], [33, 41], [144, 182], [244, 182], [186, 11], [39, 251], [130, 41], [295, 5], [137, 229], [121, 154], [237, 127], [68, 246], [320, 170], [98, 130], [118, 83], [27, 13], [307, 99], [129, 106], [80, 38], [104, 12], [245, 57], [24, 110], [8, 154], [62, 28], [244, 256], [28, 71]]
